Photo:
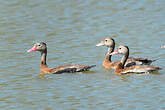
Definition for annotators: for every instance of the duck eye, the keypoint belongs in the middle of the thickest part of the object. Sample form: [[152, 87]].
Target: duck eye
[[106, 40], [39, 45], [120, 48]]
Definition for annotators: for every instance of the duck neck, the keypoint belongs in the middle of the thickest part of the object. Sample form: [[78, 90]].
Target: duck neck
[[108, 56], [43, 57], [124, 59]]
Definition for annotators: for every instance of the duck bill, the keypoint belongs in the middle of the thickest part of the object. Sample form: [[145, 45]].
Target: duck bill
[[115, 52], [100, 44], [32, 49]]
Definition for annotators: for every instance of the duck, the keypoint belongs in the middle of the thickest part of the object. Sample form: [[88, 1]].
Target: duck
[[44, 69], [107, 62], [121, 69]]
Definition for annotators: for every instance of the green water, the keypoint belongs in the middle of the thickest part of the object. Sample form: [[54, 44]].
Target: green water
[[71, 29]]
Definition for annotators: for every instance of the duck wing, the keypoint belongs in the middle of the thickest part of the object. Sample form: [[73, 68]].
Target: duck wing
[[137, 61], [71, 68], [140, 69]]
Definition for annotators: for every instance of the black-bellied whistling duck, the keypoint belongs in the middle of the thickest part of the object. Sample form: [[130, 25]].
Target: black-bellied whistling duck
[[41, 47], [107, 63], [120, 69]]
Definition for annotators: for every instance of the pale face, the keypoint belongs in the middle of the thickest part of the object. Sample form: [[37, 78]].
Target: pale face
[[109, 42], [38, 47], [122, 50]]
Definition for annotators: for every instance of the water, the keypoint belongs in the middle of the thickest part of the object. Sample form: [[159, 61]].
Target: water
[[71, 29]]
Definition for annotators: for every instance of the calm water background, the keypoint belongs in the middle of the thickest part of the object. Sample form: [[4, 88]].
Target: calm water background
[[71, 29]]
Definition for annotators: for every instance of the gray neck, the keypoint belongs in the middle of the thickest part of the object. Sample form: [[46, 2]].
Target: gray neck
[[124, 58], [43, 57], [110, 50]]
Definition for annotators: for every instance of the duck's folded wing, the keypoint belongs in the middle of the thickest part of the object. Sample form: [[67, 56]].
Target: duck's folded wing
[[138, 61], [140, 69], [71, 68]]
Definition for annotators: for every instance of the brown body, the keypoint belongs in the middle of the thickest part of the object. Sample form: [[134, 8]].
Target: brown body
[[71, 68], [108, 64], [120, 69], [131, 61], [44, 69]]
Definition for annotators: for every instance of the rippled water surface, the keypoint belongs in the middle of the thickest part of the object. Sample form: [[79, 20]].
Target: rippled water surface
[[71, 29]]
